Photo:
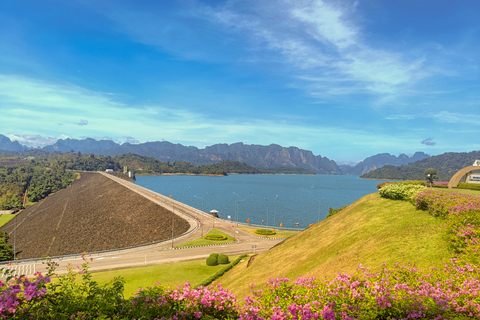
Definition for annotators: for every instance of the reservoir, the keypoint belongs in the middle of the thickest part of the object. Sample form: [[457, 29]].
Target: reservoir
[[288, 199]]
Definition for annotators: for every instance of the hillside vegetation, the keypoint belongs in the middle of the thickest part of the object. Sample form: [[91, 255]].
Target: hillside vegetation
[[371, 231], [446, 164]]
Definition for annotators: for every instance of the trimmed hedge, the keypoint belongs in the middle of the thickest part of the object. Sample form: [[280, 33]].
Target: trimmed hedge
[[471, 186], [216, 237], [265, 232], [212, 260], [222, 272], [223, 259]]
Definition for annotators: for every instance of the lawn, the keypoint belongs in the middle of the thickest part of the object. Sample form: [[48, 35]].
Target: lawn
[[204, 242], [279, 233], [194, 272], [4, 218]]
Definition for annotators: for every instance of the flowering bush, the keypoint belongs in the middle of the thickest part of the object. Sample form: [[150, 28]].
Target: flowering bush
[[441, 203], [184, 302], [401, 191], [451, 292], [400, 293], [21, 294]]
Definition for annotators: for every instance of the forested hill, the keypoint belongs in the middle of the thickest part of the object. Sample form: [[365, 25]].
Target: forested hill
[[446, 164]]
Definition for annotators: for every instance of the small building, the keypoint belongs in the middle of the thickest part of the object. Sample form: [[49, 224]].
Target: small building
[[109, 170]]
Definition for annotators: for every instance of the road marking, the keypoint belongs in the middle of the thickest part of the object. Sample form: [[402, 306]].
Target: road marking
[[19, 269]]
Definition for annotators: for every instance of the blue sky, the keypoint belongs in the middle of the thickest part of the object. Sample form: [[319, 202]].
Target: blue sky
[[344, 79]]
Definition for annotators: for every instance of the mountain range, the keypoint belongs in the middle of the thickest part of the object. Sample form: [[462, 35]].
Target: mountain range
[[265, 157]]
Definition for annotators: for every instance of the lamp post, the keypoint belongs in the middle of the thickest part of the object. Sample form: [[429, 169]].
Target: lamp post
[[183, 197], [319, 202], [15, 239], [266, 224], [202, 211], [173, 222], [236, 206], [237, 209], [275, 212]]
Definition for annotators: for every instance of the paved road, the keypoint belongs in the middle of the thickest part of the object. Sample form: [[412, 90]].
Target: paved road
[[163, 253]]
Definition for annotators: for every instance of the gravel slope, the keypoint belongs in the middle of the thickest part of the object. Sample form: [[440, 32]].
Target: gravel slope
[[93, 214]]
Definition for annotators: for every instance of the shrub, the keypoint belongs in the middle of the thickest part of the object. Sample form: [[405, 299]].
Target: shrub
[[399, 293], [265, 232], [441, 203], [216, 237], [463, 232], [466, 185], [401, 191], [223, 259], [382, 184], [223, 271], [332, 211], [212, 261], [414, 182]]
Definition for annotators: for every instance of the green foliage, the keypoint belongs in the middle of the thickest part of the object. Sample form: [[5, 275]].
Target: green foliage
[[223, 259], [446, 164], [6, 249], [216, 237], [401, 191], [471, 186], [265, 232], [212, 261], [463, 232], [332, 211], [223, 271]]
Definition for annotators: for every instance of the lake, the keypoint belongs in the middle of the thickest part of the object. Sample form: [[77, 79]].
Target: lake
[[290, 199]]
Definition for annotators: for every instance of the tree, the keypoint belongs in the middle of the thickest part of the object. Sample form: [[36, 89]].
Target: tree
[[430, 174]]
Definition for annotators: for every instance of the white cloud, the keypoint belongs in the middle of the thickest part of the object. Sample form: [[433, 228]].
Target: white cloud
[[50, 103], [324, 41], [457, 118]]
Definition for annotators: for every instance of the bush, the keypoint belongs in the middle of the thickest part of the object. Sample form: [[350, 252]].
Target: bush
[[382, 184], [332, 211], [223, 259], [212, 261], [466, 185], [401, 191], [222, 272], [216, 237], [265, 232], [441, 203]]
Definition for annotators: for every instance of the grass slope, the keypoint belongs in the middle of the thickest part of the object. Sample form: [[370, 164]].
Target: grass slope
[[371, 231]]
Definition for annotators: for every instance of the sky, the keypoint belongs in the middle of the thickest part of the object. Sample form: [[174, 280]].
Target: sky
[[344, 79]]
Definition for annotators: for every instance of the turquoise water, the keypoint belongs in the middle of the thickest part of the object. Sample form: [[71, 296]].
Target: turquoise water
[[272, 198]]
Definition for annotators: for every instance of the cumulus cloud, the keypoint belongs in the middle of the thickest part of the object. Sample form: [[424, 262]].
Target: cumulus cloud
[[429, 142]]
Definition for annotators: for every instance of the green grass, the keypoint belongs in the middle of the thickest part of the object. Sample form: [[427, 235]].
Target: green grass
[[279, 233], [194, 272], [371, 231], [4, 218], [464, 191], [203, 242]]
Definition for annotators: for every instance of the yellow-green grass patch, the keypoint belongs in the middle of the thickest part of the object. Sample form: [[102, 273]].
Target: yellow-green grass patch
[[203, 242], [4, 218], [193, 272], [278, 232]]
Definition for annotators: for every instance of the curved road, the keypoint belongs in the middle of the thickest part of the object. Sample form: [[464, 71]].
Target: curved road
[[161, 253]]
